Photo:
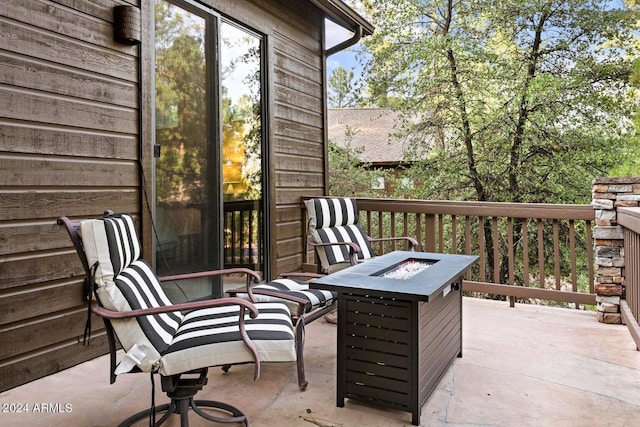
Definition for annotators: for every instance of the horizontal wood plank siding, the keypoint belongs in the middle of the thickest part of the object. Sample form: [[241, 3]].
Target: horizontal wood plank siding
[[55, 358], [21, 137], [32, 204], [69, 145], [298, 133], [66, 80], [26, 302], [35, 171]]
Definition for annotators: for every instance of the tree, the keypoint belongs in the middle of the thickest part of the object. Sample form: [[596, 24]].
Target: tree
[[349, 176], [180, 107], [631, 165], [531, 98], [341, 93], [182, 114]]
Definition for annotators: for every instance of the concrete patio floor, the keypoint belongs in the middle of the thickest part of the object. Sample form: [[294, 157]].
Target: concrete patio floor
[[528, 366]]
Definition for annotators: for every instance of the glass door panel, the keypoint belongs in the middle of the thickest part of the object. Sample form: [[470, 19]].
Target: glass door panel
[[184, 189], [242, 163], [209, 184]]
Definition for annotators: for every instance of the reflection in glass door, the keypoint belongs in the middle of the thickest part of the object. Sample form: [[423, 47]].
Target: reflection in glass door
[[185, 166], [209, 141], [240, 58]]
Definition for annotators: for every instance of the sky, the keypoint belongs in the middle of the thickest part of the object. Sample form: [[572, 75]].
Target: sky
[[346, 58]]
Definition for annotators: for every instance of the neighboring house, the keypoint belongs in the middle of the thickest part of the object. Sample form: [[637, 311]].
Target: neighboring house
[[372, 130], [215, 109]]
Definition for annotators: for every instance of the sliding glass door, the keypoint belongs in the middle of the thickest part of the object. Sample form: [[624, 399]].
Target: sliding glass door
[[209, 179]]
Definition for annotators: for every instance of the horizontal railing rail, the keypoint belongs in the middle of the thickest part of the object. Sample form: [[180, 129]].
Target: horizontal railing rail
[[526, 250]]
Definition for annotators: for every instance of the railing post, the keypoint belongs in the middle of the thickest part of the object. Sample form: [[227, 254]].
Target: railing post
[[608, 195]]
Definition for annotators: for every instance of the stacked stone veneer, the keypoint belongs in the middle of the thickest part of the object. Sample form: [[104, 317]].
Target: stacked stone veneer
[[608, 195]]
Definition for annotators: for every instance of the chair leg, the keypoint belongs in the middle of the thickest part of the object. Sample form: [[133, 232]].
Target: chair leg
[[302, 381], [332, 317], [147, 412], [183, 410], [237, 416], [299, 341]]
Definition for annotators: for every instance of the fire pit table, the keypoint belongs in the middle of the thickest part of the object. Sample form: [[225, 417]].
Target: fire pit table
[[399, 326]]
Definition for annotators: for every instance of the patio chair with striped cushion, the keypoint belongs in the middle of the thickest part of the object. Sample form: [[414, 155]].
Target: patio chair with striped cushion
[[173, 339], [334, 231]]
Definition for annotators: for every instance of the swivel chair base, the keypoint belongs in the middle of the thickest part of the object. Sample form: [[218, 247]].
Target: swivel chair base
[[182, 392]]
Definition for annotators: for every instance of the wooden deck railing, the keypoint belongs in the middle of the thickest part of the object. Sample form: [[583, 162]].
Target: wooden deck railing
[[243, 236], [540, 251], [629, 219]]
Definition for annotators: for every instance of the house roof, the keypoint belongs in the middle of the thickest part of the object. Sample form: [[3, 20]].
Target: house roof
[[344, 15], [373, 129]]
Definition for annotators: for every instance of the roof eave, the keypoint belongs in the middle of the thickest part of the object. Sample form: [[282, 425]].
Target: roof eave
[[344, 15]]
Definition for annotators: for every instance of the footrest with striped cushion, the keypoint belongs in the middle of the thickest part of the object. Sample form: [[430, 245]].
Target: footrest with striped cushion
[[295, 288]]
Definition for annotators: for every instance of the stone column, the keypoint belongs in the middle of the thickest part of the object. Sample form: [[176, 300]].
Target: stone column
[[608, 195]]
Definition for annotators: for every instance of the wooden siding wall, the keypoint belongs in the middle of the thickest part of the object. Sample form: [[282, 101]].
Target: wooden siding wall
[[69, 145], [299, 126]]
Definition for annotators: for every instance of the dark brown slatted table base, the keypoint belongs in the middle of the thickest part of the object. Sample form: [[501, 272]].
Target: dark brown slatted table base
[[377, 363], [394, 348], [382, 334]]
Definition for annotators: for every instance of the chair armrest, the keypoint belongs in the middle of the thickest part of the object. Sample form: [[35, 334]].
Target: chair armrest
[[250, 274], [250, 291], [301, 274], [413, 243], [194, 305], [353, 249], [352, 246]]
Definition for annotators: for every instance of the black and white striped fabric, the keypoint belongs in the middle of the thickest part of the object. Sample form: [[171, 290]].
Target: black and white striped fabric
[[211, 337], [332, 221], [316, 298], [174, 342], [124, 247]]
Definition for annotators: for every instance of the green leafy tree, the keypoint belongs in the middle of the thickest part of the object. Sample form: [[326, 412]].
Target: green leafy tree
[[349, 176], [341, 91], [530, 98], [631, 164], [182, 116]]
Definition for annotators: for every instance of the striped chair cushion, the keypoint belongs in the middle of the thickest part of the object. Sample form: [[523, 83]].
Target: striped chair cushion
[[210, 337], [124, 247], [111, 245], [331, 212], [140, 288], [125, 282], [332, 221], [290, 287]]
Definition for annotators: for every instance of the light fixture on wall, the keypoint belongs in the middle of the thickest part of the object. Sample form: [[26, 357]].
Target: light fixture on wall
[[126, 22]]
